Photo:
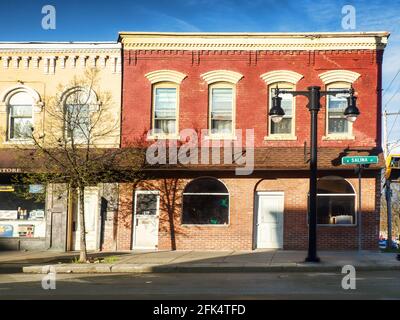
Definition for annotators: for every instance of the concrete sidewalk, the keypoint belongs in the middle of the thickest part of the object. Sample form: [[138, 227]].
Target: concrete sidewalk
[[222, 261]]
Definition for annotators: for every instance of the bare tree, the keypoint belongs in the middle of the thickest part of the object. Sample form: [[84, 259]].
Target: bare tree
[[79, 143]]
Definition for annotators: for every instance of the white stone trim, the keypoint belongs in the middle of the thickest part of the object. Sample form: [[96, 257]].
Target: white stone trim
[[26, 62], [281, 76], [6, 62], [83, 61], [35, 62], [62, 60], [52, 65], [46, 65], [16, 62], [73, 61], [60, 46], [92, 61], [254, 41], [338, 76], [221, 76], [165, 75]]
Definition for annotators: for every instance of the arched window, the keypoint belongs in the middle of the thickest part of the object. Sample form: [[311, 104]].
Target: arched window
[[165, 108], [222, 102], [222, 109], [337, 123], [337, 127], [165, 102], [286, 126], [20, 116], [336, 201], [205, 201], [78, 103], [285, 80]]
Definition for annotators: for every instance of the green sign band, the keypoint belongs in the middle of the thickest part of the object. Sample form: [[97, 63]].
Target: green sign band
[[360, 160]]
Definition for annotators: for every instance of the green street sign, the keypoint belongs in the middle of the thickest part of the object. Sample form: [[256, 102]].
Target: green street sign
[[360, 160]]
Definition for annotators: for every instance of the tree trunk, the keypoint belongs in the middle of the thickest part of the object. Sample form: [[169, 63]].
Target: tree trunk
[[82, 227]]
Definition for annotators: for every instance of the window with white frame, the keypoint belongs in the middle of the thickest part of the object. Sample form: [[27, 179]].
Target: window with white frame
[[165, 108], [77, 107], [335, 202], [20, 113], [205, 201], [286, 126], [335, 106], [222, 105]]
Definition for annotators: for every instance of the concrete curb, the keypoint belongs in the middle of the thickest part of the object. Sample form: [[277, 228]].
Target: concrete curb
[[196, 268]]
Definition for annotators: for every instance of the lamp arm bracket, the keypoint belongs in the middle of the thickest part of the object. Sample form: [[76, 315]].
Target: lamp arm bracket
[[334, 93]]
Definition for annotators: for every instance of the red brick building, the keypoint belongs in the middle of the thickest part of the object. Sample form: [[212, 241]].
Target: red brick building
[[219, 85]]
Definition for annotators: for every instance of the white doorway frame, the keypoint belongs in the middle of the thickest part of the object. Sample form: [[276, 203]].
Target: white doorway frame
[[156, 192], [255, 224]]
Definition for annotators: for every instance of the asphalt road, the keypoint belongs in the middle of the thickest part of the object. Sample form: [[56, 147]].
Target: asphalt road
[[369, 285]]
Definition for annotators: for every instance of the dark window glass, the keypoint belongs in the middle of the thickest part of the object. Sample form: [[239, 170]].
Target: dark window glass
[[146, 204], [335, 202], [205, 201]]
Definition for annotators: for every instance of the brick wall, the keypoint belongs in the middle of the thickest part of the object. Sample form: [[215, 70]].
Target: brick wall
[[238, 235], [252, 92]]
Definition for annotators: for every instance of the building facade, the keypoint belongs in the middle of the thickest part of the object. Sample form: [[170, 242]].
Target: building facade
[[34, 76], [215, 90]]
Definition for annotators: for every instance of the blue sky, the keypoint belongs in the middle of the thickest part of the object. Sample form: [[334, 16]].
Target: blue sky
[[101, 20]]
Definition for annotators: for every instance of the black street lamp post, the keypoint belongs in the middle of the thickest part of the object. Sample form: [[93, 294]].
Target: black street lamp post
[[276, 113]]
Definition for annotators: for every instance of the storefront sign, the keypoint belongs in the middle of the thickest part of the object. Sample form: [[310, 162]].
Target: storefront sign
[[10, 170], [6, 189], [6, 231], [26, 230], [360, 160]]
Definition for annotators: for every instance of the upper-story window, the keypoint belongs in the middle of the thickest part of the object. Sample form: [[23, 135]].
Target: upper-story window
[[78, 105], [222, 102], [221, 109], [165, 102], [165, 108], [337, 127], [335, 106], [20, 116], [284, 80], [286, 126]]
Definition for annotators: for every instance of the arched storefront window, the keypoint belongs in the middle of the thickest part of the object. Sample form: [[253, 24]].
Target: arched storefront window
[[336, 201], [205, 201]]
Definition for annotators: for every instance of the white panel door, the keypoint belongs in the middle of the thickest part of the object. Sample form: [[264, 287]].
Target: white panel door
[[92, 220], [270, 206], [146, 220]]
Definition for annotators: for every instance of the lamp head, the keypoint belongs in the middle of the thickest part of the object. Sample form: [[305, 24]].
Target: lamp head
[[276, 113], [351, 112]]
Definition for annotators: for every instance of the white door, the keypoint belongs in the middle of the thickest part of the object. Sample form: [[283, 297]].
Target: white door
[[270, 206], [146, 220], [92, 220]]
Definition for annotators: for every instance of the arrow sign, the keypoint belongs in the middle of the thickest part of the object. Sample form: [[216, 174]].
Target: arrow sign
[[360, 160]]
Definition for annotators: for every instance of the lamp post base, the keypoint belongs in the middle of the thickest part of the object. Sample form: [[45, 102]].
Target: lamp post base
[[313, 259]]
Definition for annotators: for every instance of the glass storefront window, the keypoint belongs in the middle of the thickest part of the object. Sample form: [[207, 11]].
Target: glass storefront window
[[22, 211]]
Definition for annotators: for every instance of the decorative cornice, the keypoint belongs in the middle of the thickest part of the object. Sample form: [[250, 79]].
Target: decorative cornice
[[254, 41], [222, 76], [339, 76], [281, 76], [165, 75]]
